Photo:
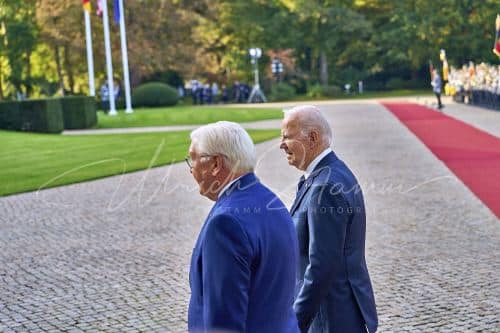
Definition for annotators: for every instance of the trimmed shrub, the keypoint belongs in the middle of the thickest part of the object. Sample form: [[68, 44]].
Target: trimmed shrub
[[396, 83], [10, 115], [281, 92], [331, 91], [42, 115], [318, 90], [78, 112], [154, 94], [315, 91]]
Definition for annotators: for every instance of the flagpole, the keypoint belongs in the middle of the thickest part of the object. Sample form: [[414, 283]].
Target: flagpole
[[109, 65], [90, 56], [126, 79]]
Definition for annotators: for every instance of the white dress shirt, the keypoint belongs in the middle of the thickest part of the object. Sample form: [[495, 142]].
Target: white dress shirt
[[227, 186], [314, 163]]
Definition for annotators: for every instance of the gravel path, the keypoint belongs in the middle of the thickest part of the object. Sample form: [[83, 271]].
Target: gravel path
[[112, 255]]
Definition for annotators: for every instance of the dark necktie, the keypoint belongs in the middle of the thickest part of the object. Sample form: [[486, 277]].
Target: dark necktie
[[300, 189], [302, 180]]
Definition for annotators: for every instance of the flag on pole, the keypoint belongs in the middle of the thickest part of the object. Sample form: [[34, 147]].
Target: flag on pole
[[442, 55], [86, 5], [496, 47], [99, 8], [445, 70], [116, 11], [123, 39], [87, 8]]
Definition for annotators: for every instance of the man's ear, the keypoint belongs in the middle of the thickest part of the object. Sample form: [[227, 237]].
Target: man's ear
[[313, 138], [218, 164]]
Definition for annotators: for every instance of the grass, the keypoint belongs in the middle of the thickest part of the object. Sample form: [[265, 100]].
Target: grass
[[372, 94], [30, 161], [193, 115], [185, 115]]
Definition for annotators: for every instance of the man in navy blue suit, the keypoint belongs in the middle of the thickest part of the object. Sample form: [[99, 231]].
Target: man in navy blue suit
[[334, 292], [243, 267]]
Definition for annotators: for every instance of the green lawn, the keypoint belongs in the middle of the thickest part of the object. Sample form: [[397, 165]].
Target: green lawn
[[185, 115], [372, 94], [30, 161]]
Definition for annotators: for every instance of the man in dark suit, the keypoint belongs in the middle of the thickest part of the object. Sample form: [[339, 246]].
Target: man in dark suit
[[334, 292], [243, 267]]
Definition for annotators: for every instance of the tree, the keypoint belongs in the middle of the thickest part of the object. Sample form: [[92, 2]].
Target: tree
[[18, 39], [227, 29]]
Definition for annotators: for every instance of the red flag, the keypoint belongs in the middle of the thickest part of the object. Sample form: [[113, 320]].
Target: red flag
[[99, 8], [86, 5]]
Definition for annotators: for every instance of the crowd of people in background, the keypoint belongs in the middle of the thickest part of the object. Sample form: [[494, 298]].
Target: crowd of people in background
[[475, 84], [204, 93]]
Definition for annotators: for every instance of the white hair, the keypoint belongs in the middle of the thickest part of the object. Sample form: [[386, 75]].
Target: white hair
[[310, 118], [228, 139]]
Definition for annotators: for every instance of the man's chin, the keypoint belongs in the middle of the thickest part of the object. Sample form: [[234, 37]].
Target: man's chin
[[209, 195], [293, 163]]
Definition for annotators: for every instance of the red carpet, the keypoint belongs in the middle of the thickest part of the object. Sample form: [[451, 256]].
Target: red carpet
[[473, 155]]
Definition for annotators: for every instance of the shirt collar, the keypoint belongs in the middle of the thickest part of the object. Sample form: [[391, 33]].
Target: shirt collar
[[314, 163], [228, 185]]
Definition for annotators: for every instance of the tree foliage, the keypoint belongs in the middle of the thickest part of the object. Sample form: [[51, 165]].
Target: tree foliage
[[42, 42], [18, 37]]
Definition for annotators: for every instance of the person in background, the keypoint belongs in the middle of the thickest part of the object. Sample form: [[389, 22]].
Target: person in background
[[180, 91], [437, 84], [215, 92], [236, 92], [117, 90], [207, 94], [104, 92], [225, 94]]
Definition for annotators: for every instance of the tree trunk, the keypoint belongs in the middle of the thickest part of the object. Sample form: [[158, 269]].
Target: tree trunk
[[29, 86], [59, 70], [1, 78], [69, 69], [323, 68]]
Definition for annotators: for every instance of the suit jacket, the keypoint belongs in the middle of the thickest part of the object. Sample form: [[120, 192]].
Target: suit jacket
[[334, 292], [243, 266]]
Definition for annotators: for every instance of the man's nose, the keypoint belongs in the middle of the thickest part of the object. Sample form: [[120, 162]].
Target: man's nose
[[282, 145]]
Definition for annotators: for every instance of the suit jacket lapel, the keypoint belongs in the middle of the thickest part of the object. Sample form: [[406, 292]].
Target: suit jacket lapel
[[324, 163], [301, 194]]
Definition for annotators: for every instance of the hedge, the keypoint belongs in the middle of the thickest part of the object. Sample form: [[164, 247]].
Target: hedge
[[10, 116], [78, 112], [42, 115], [48, 115], [281, 92]]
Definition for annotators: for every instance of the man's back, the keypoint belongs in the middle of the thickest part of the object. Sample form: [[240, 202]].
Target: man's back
[[244, 263], [330, 223]]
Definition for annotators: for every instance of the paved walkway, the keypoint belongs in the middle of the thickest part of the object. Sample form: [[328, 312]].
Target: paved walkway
[[485, 119], [112, 255]]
